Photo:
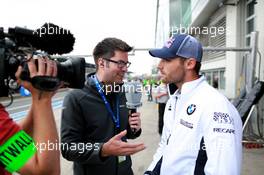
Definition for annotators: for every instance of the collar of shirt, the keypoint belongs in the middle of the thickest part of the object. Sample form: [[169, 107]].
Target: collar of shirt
[[188, 87], [107, 89]]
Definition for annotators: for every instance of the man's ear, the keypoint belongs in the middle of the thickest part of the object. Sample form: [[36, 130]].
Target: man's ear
[[100, 63], [190, 63]]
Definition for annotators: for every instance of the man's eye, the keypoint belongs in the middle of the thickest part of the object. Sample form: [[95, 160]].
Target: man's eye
[[122, 63]]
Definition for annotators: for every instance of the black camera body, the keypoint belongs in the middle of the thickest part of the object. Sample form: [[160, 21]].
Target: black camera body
[[18, 42]]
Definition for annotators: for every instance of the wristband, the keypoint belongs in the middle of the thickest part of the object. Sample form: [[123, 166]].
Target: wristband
[[16, 151]]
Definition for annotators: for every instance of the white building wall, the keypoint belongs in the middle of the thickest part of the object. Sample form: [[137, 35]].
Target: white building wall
[[197, 7], [232, 58]]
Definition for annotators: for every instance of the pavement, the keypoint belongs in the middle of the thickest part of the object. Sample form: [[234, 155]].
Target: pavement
[[252, 158]]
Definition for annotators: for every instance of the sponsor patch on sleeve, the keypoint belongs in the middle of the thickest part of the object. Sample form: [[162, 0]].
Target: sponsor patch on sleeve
[[223, 118], [224, 130]]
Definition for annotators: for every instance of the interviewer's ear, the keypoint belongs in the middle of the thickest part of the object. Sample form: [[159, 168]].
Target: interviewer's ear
[[100, 62]]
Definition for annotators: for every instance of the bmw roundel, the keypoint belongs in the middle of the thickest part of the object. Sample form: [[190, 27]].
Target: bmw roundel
[[190, 109]]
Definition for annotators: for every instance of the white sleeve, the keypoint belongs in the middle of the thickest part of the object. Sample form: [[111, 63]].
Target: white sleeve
[[158, 89], [222, 128], [163, 142]]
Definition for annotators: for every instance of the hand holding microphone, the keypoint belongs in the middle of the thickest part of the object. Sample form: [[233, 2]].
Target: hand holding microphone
[[135, 121], [133, 96]]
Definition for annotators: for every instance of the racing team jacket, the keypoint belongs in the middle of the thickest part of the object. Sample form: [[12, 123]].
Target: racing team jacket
[[202, 133]]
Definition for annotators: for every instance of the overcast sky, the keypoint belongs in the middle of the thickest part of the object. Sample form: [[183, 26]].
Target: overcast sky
[[90, 21]]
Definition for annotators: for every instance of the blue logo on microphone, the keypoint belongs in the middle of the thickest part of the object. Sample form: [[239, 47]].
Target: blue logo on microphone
[[191, 109]]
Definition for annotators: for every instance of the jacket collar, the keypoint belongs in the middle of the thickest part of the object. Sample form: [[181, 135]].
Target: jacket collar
[[189, 87], [90, 82]]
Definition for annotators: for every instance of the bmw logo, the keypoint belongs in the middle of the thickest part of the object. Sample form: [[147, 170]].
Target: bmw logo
[[190, 109]]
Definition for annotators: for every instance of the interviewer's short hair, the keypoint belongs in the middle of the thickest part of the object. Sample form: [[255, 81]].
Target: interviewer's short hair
[[107, 47]]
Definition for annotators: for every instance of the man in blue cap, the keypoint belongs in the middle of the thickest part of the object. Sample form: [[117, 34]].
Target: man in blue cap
[[202, 130]]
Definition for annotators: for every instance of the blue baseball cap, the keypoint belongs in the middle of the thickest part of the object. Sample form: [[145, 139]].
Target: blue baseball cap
[[181, 45]]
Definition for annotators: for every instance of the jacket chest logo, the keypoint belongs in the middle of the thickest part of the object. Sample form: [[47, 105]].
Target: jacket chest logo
[[191, 109], [186, 123]]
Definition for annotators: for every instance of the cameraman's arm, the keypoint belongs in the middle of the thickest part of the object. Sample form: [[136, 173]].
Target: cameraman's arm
[[27, 123], [40, 124]]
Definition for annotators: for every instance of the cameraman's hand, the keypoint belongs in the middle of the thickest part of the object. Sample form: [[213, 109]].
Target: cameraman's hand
[[116, 147], [46, 67]]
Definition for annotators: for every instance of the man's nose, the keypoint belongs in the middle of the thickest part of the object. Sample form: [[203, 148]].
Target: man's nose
[[160, 65], [124, 69]]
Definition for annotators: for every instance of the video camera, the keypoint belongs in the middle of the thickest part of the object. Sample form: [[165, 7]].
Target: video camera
[[48, 40]]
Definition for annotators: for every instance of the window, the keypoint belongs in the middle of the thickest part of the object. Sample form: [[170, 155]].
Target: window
[[215, 78], [222, 79], [250, 19], [208, 77]]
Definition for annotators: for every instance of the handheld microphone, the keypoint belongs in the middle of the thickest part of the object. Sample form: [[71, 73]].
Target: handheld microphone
[[133, 96]]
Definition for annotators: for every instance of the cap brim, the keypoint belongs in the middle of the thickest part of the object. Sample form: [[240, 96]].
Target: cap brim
[[161, 53]]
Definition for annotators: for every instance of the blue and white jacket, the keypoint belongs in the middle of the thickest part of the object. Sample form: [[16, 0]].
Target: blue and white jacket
[[202, 133]]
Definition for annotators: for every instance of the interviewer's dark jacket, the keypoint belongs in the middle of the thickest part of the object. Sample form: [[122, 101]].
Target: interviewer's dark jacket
[[85, 120]]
